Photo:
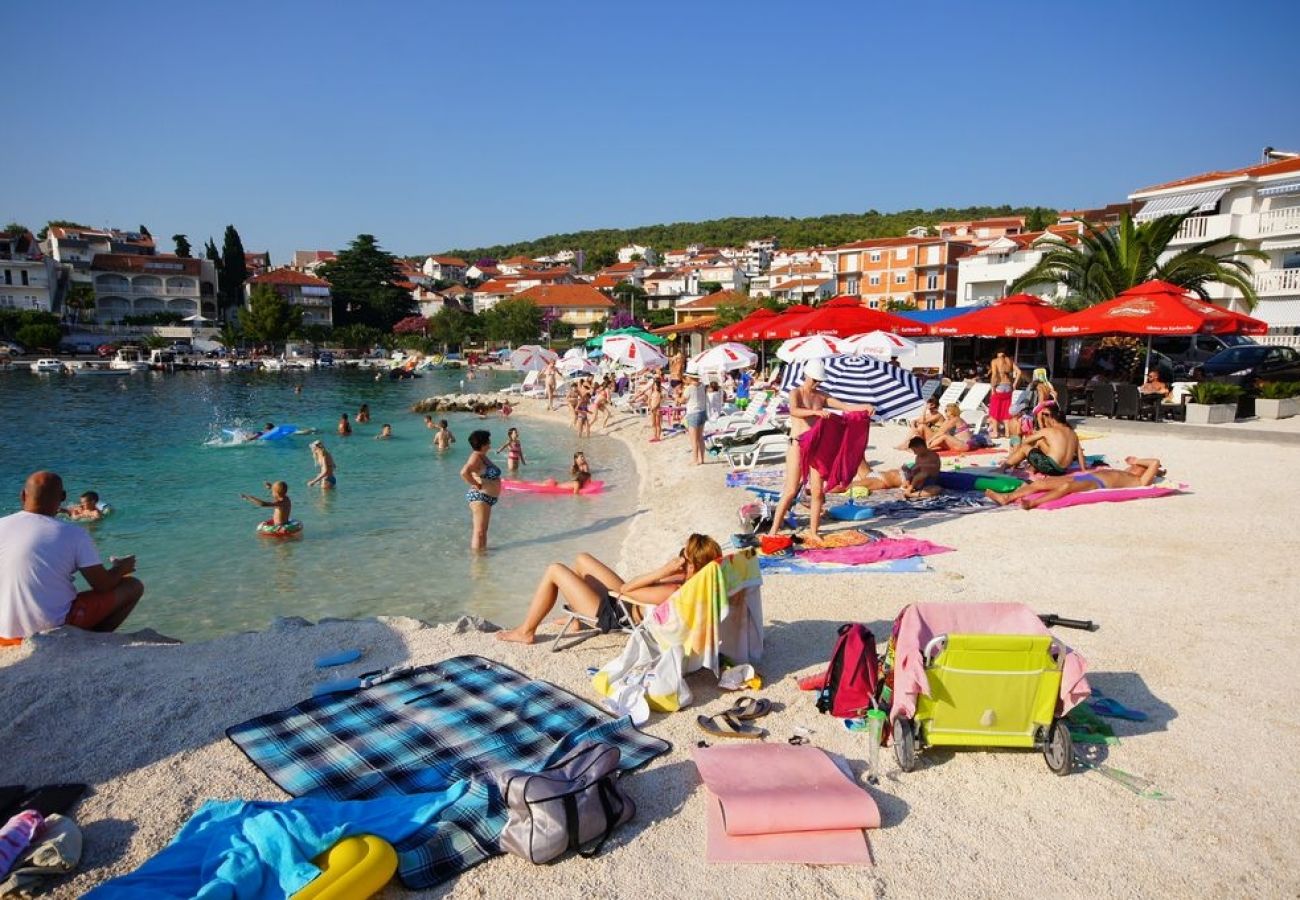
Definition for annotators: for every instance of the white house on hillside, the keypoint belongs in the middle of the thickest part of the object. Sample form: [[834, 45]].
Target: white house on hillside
[[28, 278], [1260, 205], [308, 292], [445, 268], [129, 284], [628, 252], [988, 274]]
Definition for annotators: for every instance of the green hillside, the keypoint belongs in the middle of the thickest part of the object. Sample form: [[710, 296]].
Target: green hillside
[[600, 245]]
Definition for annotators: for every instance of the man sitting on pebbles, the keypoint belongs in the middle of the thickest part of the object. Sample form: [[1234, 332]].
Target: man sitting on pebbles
[[39, 555]]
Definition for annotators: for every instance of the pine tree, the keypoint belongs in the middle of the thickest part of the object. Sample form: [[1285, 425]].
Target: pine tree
[[234, 270], [211, 252], [269, 317], [362, 282], [182, 245]]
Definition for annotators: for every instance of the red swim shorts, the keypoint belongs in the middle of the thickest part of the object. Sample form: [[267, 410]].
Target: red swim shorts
[[92, 607], [1000, 406]]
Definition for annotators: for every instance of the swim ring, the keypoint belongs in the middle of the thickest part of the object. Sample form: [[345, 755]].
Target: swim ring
[[288, 529]]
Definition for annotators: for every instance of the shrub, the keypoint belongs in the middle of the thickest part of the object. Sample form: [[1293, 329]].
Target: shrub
[[39, 335], [1210, 392], [1279, 390]]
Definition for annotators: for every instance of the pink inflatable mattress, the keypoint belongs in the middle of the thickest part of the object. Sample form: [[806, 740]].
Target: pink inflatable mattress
[[537, 487]]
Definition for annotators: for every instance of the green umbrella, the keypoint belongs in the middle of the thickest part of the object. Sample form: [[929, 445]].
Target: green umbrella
[[656, 339]]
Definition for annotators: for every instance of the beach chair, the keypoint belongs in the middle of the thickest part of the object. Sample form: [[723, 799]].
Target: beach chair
[[766, 451], [529, 382], [716, 614], [928, 389], [590, 627], [952, 394], [976, 397]]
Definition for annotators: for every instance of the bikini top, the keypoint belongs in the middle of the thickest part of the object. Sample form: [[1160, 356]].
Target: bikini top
[[491, 471]]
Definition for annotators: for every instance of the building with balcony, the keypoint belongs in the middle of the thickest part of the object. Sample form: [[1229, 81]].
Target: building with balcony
[[1258, 205], [140, 285], [310, 261], [257, 263], [921, 271], [28, 277], [981, 231], [987, 274], [76, 248], [445, 268], [579, 305], [308, 292]]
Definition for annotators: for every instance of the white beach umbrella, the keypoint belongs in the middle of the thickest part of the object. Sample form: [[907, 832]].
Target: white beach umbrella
[[880, 344], [814, 346], [725, 358], [531, 358], [629, 350], [575, 353], [578, 365]]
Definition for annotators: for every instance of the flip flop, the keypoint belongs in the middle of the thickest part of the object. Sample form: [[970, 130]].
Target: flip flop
[[723, 726], [747, 708]]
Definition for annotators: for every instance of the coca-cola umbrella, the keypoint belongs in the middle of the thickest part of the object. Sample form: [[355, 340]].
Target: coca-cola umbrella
[[630, 350], [880, 344], [725, 358], [813, 346], [531, 358]]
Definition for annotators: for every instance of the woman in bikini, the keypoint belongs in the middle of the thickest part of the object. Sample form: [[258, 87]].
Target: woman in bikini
[[654, 405], [590, 587], [953, 433], [923, 426], [484, 479], [514, 450]]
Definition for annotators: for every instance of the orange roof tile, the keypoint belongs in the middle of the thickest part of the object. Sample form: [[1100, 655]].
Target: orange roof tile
[[567, 295], [288, 276], [450, 261], [502, 284], [1277, 167]]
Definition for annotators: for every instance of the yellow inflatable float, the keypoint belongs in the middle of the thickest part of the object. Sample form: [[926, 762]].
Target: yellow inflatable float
[[352, 869]]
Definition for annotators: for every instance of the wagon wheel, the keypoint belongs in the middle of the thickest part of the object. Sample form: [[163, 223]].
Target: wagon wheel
[[905, 743], [1058, 750]]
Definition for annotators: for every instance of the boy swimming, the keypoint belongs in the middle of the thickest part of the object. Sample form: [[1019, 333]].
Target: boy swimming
[[280, 503], [385, 432], [443, 438], [87, 509]]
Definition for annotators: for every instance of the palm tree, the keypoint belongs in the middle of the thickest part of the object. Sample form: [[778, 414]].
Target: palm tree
[[1109, 260]]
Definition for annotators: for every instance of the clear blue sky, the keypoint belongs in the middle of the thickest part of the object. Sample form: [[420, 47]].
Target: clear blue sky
[[435, 125]]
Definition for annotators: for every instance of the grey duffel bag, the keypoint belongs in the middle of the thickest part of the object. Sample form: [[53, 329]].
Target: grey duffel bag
[[573, 805]]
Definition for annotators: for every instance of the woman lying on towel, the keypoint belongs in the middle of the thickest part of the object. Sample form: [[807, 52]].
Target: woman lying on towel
[[590, 585], [1139, 473]]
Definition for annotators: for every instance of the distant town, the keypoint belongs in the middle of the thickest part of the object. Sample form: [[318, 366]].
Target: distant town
[[102, 279]]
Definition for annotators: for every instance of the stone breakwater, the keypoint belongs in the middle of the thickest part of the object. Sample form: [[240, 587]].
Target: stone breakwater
[[458, 403]]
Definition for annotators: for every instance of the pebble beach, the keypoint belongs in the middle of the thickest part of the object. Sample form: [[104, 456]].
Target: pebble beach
[[1186, 590]]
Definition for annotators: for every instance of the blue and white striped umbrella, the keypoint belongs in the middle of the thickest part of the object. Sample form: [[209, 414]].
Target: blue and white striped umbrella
[[894, 391]]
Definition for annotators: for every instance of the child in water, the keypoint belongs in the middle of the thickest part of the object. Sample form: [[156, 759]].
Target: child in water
[[579, 474], [280, 503], [385, 432], [514, 450], [443, 438], [345, 427], [363, 414], [86, 510]]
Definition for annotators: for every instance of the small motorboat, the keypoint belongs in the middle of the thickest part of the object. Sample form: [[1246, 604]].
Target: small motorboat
[[97, 369], [49, 367], [129, 359]]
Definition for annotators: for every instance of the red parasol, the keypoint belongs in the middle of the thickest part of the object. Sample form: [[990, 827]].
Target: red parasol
[[843, 321], [779, 328], [1017, 316], [738, 331], [1152, 308]]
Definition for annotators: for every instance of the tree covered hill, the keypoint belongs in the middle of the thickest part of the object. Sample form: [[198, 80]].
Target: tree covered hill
[[601, 245]]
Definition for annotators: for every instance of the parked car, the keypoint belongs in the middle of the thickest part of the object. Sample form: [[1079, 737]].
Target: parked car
[[106, 351], [13, 348], [76, 346], [1249, 364], [325, 360], [1187, 352]]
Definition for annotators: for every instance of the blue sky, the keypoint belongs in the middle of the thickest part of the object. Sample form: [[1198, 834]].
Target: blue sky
[[435, 125]]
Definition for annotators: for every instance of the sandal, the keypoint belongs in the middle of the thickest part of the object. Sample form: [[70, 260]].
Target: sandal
[[746, 708], [723, 726]]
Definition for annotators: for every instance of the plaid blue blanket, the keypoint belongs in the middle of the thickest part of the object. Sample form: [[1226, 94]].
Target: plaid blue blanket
[[415, 730]]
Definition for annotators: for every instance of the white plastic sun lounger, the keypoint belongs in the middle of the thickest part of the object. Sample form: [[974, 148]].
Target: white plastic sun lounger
[[768, 450]]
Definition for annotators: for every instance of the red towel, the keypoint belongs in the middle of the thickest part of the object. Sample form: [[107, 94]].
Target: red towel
[[834, 447]]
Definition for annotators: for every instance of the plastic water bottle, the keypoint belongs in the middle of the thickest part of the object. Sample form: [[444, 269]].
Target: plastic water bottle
[[876, 721]]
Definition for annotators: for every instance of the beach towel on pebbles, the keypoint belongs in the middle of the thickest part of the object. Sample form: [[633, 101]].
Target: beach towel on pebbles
[[425, 729]]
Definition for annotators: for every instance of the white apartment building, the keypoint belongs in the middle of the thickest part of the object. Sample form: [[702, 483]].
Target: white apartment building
[[76, 248], [445, 268], [628, 251], [28, 277], [1260, 205], [129, 284], [987, 275]]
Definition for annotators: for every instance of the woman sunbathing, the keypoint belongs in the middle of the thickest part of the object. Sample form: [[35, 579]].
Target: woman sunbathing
[[1139, 473], [923, 426], [953, 433], [590, 586]]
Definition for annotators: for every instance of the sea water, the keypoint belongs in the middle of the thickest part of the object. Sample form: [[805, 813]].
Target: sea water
[[392, 539]]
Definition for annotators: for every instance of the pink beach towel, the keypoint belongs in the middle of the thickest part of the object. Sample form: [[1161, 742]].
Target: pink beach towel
[[923, 621], [835, 448], [779, 803], [874, 552]]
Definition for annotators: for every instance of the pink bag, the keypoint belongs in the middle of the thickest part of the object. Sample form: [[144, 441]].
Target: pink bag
[[850, 686]]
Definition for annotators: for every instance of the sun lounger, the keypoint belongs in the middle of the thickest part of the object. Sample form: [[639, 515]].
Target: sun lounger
[[766, 451], [952, 394], [976, 397]]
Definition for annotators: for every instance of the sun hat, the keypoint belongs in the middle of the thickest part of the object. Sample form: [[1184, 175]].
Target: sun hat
[[815, 369]]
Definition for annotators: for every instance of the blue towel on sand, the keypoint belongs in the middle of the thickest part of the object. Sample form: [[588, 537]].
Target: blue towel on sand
[[230, 848], [793, 565]]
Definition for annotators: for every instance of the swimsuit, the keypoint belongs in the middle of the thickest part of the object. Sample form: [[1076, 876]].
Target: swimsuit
[[1042, 463], [491, 472], [1087, 476], [331, 480]]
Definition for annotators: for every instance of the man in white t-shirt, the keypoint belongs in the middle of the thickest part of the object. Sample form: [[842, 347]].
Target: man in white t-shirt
[[39, 556]]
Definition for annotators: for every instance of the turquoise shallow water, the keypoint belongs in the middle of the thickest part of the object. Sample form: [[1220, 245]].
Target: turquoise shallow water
[[392, 539]]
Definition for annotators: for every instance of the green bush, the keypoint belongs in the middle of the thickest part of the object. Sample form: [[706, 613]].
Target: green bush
[[39, 336], [1279, 390], [1210, 392]]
